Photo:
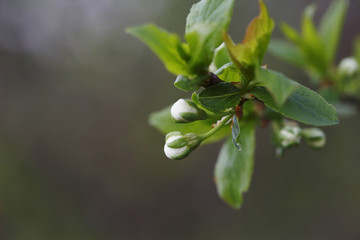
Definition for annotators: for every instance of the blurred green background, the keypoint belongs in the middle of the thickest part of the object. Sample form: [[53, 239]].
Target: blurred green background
[[79, 161]]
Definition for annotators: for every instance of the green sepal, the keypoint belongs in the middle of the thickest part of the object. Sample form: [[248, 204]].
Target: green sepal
[[191, 117], [177, 143], [172, 134], [314, 137]]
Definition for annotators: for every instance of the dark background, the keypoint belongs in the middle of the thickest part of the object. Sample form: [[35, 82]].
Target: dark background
[[79, 161]]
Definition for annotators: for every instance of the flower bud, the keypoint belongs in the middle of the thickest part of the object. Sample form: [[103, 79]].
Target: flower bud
[[179, 146], [314, 137], [348, 67], [290, 136], [184, 111]]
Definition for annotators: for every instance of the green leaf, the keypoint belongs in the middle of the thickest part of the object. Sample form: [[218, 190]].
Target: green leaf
[[234, 168], [331, 26], [236, 132], [312, 44], [290, 33], [220, 97], [229, 73], [304, 105], [252, 50], [279, 86], [162, 121], [190, 84], [357, 49], [165, 45], [195, 99], [287, 52], [221, 56], [204, 25], [308, 29]]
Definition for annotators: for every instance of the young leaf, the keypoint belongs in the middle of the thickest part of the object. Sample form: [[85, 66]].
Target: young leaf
[[195, 99], [304, 105], [190, 84], [229, 73], [162, 121], [236, 133], [234, 168], [220, 97], [312, 45], [221, 56], [252, 50], [204, 25], [279, 86], [357, 49], [287, 52], [165, 45], [290, 33], [308, 28], [331, 25]]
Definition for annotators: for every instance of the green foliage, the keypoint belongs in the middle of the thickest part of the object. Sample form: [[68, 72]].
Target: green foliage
[[166, 46], [221, 56], [279, 86], [304, 105], [234, 92], [311, 42], [190, 84], [229, 73], [315, 49], [234, 168], [220, 97], [331, 25], [357, 49], [252, 50], [204, 25], [287, 52]]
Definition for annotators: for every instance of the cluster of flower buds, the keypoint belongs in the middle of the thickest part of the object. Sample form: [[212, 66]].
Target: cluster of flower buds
[[179, 146], [348, 67], [184, 111], [291, 135]]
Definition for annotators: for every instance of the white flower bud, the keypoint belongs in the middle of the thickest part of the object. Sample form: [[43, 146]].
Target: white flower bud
[[179, 146], [289, 136], [314, 137], [184, 111], [348, 66]]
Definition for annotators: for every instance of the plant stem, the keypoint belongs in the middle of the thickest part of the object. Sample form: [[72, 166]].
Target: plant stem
[[217, 127]]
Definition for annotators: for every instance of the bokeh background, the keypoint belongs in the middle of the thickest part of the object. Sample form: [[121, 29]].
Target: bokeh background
[[79, 161]]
